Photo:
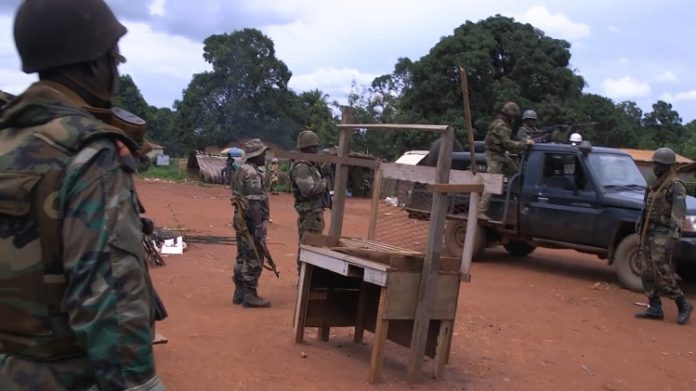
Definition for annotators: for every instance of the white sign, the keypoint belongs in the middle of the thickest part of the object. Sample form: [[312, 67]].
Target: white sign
[[162, 160]]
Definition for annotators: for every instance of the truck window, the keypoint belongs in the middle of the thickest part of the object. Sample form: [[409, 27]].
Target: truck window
[[564, 172], [615, 171]]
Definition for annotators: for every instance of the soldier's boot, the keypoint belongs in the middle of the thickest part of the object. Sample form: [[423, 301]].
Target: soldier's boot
[[654, 311], [684, 308], [252, 300], [238, 297]]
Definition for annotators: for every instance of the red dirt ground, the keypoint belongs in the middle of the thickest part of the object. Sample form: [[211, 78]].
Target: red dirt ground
[[552, 321]]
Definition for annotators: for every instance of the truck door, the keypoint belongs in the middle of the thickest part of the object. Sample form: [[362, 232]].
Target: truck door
[[558, 201]]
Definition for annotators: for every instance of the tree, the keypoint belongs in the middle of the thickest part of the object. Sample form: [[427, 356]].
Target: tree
[[246, 95], [130, 98], [663, 127]]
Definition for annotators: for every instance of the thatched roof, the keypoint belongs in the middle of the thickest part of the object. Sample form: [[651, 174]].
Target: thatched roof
[[207, 167]]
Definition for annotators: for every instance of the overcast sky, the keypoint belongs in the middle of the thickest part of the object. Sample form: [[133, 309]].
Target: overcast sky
[[626, 50]]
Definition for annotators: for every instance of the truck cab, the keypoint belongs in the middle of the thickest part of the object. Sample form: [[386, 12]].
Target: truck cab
[[572, 197]]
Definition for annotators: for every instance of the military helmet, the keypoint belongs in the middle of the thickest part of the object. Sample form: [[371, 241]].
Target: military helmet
[[529, 114], [665, 156], [50, 33], [235, 152], [307, 138], [254, 147], [511, 109], [575, 138]]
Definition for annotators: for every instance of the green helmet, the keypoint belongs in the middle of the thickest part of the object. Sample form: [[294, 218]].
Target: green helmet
[[665, 156], [511, 109], [50, 33], [529, 114], [307, 138]]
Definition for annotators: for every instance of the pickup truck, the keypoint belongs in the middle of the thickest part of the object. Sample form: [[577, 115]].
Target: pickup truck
[[570, 197]]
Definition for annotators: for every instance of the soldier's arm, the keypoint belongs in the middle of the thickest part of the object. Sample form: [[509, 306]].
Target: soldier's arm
[[257, 215], [108, 295], [510, 144], [305, 182], [678, 209]]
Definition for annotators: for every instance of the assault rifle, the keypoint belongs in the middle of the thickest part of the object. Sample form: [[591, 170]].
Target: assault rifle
[[559, 133]]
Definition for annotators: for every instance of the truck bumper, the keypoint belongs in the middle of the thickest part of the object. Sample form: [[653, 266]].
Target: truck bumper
[[685, 250]]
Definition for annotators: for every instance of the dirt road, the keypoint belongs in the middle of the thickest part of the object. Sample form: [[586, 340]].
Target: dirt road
[[553, 320]]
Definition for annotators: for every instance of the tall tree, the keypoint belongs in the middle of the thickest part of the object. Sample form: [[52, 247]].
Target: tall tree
[[663, 127]]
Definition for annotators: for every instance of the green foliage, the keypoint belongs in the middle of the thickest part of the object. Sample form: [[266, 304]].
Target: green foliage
[[170, 172]]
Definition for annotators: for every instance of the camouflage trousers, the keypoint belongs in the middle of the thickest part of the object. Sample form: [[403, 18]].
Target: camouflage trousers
[[311, 221], [657, 275], [496, 164], [249, 265]]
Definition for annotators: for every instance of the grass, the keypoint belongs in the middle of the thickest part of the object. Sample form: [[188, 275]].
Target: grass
[[170, 172]]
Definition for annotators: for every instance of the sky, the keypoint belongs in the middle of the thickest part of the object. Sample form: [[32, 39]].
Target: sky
[[636, 50]]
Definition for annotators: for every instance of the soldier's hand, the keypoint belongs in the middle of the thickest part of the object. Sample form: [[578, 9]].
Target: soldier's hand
[[529, 141]]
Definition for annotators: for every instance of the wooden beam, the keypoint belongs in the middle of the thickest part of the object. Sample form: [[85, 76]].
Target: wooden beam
[[492, 183], [456, 188], [341, 183], [469, 238], [380, 340], [431, 264], [374, 210], [311, 157], [423, 128]]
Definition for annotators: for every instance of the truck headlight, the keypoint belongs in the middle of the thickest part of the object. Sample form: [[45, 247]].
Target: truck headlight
[[689, 224]]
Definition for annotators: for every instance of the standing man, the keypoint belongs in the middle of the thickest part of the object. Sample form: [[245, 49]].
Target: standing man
[[250, 220], [76, 302], [498, 144], [308, 188], [528, 130], [275, 176], [659, 228]]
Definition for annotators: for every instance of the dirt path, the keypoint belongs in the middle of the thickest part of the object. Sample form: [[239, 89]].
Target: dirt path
[[554, 320]]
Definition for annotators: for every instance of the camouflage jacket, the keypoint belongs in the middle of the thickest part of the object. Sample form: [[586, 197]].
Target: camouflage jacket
[[665, 206], [75, 301], [498, 138], [308, 187], [528, 133], [249, 192]]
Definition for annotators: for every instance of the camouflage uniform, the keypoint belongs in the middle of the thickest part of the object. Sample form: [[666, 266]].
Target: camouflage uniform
[[274, 177], [665, 203], [248, 187], [76, 307], [308, 189], [498, 143], [528, 132]]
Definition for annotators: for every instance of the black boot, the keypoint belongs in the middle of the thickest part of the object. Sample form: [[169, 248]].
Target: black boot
[[684, 308], [252, 300], [238, 297], [655, 310]]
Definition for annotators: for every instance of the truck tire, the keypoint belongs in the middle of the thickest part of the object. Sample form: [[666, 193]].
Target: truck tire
[[455, 232], [520, 249], [627, 263]]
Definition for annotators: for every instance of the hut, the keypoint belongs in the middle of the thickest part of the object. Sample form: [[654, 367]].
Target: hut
[[206, 167]]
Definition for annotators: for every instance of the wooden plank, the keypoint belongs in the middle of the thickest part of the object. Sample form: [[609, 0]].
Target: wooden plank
[[339, 204], [323, 261], [492, 183], [443, 344], [315, 157], [376, 277], [402, 296], [360, 315], [431, 265], [426, 128], [360, 262], [302, 301], [325, 329], [374, 209], [381, 331], [471, 228], [464, 79], [457, 188]]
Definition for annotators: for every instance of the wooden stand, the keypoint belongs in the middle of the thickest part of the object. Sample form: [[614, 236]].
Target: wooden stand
[[376, 291]]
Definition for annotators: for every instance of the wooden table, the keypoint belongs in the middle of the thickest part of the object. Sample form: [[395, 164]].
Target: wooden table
[[373, 286]]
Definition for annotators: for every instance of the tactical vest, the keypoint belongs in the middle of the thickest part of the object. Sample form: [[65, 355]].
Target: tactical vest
[[33, 320], [302, 203], [660, 203]]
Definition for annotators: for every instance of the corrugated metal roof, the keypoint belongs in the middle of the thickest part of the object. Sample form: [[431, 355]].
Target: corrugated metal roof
[[411, 158], [645, 155]]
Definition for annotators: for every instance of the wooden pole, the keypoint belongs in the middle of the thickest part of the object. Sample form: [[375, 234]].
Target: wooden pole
[[469, 238], [431, 264], [376, 190], [467, 113], [339, 204]]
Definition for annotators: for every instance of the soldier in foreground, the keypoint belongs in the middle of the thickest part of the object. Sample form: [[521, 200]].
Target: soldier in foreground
[[659, 228], [308, 188], [498, 144], [250, 220], [528, 130], [76, 305]]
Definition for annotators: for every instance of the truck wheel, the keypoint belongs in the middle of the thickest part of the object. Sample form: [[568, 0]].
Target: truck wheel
[[628, 264], [520, 249], [455, 232]]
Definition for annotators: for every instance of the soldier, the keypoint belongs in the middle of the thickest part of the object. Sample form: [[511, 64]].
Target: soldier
[[275, 175], [575, 139], [308, 188], [76, 308], [250, 220], [528, 130], [498, 145], [659, 228]]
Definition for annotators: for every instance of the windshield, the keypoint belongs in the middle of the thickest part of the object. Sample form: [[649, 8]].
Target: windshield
[[614, 171]]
